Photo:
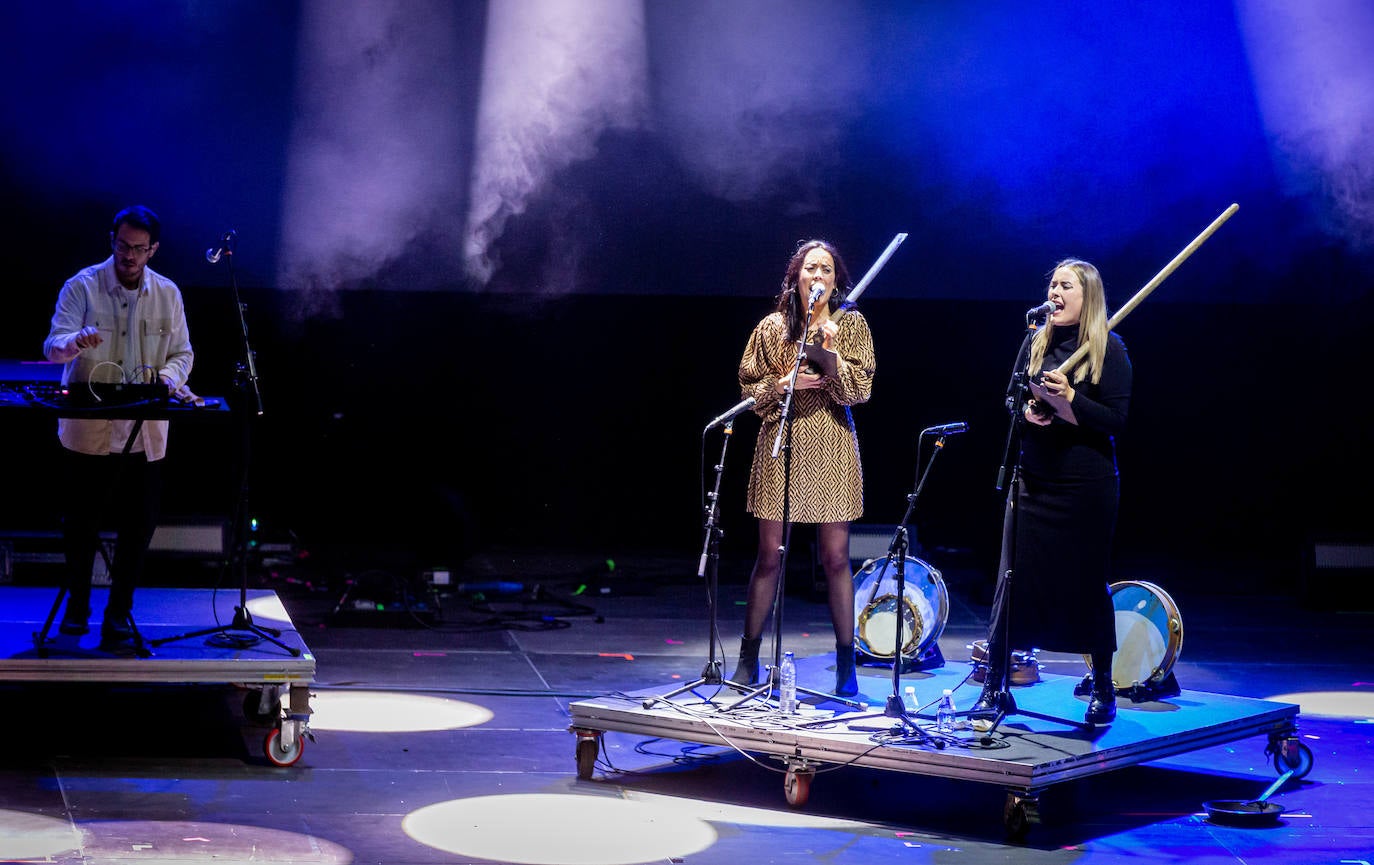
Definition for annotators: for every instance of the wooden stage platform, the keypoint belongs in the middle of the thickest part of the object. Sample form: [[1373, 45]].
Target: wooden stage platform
[[1025, 754], [276, 679]]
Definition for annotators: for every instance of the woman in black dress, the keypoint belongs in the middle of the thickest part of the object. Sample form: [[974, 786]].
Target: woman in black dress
[[1065, 512]]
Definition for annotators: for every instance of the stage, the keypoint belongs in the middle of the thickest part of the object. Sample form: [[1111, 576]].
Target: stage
[[275, 678], [450, 742], [1025, 755]]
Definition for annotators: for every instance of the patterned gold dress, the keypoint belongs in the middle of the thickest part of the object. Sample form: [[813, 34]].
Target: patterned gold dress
[[827, 476]]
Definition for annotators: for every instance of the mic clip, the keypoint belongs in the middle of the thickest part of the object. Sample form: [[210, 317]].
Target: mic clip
[[226, 247]]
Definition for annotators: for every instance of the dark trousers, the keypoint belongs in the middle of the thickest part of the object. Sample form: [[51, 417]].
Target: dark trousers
[[116, 492]]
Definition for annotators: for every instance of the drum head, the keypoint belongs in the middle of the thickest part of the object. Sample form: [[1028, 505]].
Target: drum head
[[1149, 633], [925, 608]]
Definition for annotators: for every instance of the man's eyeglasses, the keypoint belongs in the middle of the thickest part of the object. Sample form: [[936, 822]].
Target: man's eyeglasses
[[124, 249]]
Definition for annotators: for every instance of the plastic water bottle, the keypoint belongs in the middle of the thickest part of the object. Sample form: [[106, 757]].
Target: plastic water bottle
[[909, 703], [787, 685], [944, 715]]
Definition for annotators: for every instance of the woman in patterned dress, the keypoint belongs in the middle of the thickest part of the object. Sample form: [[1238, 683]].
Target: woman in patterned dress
[[826, 483]]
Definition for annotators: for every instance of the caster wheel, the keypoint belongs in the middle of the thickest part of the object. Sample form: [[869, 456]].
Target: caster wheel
[[1293, 755], [278, 755], [586, 756], [252, 709], [797, 786]]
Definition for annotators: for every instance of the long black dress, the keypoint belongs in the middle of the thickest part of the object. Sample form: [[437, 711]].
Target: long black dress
[[1065, 513]]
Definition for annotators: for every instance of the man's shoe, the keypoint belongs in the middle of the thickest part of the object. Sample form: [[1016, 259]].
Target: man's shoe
[[75, 618], [116, 635]]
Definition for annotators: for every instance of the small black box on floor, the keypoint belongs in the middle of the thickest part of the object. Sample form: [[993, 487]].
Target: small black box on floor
[[1340, 576], [386, 601]]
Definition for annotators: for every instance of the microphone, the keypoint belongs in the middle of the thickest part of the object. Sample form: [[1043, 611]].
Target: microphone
[[742, 405], [816, 291], [948, 429], [1043, 309], [214, 254]]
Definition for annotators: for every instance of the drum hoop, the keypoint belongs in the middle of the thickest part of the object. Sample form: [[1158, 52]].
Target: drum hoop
[[1173, 638], [911, 647]]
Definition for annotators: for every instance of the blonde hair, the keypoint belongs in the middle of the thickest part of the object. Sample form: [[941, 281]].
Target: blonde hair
[[1092, 323]]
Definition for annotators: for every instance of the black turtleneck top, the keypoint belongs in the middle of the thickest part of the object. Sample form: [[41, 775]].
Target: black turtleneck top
[[1085, 450]]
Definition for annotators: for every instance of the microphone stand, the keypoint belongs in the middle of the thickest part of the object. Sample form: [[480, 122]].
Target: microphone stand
[[242, 631], [783, 441], [709, 569], [897, 552], [1004, 703]]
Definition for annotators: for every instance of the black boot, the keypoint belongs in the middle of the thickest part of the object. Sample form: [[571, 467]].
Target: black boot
[[1102, 703], [747, 671], [989, 701], [846, 682]]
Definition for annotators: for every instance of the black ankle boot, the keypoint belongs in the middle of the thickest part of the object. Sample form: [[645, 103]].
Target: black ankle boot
[[1102, 703], [846, 681], [988, 703], [747, 671]]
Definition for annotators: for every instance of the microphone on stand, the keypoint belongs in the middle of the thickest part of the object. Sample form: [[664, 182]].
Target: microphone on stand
[[742, 405], [226, 245], [816, 291], [1043, 309], [948, 429]]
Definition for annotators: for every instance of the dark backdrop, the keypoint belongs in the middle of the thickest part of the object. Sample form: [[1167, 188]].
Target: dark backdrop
[[467, 424], [418, 403]]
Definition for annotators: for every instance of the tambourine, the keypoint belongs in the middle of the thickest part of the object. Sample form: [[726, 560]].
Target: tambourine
[[925, 608]]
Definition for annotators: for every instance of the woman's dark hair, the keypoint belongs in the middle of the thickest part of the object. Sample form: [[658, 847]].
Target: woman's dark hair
[[790, 302], [138, 216]]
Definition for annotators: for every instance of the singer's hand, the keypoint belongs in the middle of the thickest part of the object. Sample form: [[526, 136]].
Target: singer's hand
[[1055, 391], [828, 331], [88, 337], [1033, 413], [805, 381], [1056, 384]]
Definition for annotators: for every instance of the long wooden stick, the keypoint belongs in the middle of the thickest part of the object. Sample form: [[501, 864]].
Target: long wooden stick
[[1074, 359]]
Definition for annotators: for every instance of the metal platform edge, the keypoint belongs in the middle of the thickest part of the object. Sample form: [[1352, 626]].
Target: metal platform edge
[[853, 748], [181, 671]]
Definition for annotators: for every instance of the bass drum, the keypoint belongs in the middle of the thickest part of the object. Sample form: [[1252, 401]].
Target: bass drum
[[925, 608], [1149, 634]]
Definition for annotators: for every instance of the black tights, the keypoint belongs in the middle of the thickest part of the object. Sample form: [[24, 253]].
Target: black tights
[[833, 541]]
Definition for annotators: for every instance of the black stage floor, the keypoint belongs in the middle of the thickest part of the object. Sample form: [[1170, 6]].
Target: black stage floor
[[444, 738]]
